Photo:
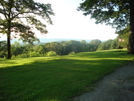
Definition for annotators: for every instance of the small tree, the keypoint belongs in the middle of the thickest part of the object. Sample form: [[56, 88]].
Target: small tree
[[20, 16]]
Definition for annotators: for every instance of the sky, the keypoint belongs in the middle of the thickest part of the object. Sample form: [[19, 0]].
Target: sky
[[72, 24]]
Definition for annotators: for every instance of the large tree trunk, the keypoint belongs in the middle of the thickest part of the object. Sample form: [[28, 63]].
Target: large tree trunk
[[8, 41], [9, 30], [131, 36]]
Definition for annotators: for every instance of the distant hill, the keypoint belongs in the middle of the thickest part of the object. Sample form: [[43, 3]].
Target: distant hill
[[59, 40], [45, 40]]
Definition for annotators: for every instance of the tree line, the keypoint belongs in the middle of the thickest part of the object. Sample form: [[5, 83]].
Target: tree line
[[58, 48]]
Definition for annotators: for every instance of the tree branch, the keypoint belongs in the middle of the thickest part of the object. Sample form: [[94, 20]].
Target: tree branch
[[15, 16], [4, 10]]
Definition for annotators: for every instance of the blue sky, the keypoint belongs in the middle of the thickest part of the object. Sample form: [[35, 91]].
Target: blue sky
[[72, 24]]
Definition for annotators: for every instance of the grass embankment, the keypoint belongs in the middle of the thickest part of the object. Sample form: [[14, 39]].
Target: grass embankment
[[57, 78]]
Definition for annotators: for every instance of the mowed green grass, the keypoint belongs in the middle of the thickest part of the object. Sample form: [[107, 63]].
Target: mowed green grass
[[56, 78]]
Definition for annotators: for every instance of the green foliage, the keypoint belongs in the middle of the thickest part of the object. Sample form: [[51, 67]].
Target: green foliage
[[56, 78], [21, 56], [17, 48], [40, 48], [65, 47], [28, 50], [61, 48], [124, 35], [83, 41], [34, 54], [27, 10], [115, 12], [71, 53], [105, 45], [3, 49], [125, 38], [51, 53], [115, 44], [54, 46], [13, 11], [95, 42]]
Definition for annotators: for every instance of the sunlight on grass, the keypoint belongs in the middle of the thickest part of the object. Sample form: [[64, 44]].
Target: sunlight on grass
[[56, 78], [22, 61]]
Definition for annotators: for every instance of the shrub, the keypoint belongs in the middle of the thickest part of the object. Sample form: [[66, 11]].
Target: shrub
[[51, 53], [13, 56], [34, 54], [21, 56], [71, 53]]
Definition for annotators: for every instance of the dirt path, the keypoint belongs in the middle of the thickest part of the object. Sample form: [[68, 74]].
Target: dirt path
[[118, 86]]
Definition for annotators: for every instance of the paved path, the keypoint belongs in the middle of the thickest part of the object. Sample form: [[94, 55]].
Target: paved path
[[118, 86]]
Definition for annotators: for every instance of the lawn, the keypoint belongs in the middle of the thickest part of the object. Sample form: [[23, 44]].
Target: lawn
[[56, 78]]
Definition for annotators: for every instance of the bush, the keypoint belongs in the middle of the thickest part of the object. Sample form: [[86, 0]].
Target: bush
[[21, 56], [13, 56], [71, 53], [34, 54], [3, 54], [51, 53]]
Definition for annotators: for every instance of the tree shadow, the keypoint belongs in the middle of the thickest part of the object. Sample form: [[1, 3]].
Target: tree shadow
[[56, 79]]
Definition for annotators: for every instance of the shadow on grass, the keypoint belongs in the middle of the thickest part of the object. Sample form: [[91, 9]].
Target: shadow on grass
[[54, 80]]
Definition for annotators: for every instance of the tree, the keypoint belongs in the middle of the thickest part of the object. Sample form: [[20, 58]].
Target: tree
[[90, 47], [21, 17], [17, 48], [105, 45], [124, 35], [118, 13], [95, 42], [115, 44], [84, 45], [40, 48], [54, 46]]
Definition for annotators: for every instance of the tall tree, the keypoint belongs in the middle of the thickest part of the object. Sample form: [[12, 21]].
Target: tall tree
[[118, 13], [21, 17]]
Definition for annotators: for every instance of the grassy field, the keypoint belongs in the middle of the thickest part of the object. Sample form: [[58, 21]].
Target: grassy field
[[56, 78]]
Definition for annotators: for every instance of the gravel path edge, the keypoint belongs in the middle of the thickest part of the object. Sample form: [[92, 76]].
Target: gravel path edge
[[118, 86]]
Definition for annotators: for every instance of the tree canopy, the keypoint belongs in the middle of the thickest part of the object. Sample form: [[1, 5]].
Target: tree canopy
[[117, 13], [111, 12], [21, 17], [124, 36]]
